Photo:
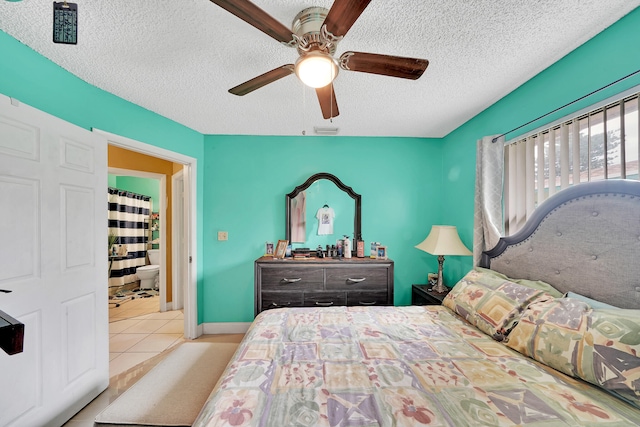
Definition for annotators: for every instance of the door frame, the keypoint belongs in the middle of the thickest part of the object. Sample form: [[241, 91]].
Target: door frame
[[178, 230], [191, 329]]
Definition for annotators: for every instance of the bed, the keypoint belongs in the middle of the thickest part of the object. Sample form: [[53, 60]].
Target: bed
[[506, 348]]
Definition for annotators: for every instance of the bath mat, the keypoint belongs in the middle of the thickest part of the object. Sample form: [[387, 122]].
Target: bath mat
[[146, 293], [174, 391]]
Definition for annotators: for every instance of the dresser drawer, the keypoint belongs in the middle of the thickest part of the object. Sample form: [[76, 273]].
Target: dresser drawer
[[324, 299], [322, 282], [357, 278], [281, 299], [293, 278], [367, 298]]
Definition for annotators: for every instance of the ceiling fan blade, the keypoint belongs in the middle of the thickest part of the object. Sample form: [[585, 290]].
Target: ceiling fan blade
[[343, 14], [253, 15], [328, 103], [386, 65], [262, 80]]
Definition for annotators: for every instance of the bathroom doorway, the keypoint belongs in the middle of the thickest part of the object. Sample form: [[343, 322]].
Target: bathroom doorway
[[148, 321], [185, 262], [144, 291]]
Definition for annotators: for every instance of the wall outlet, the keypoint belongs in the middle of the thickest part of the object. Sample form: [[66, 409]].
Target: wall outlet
[[223, 235]]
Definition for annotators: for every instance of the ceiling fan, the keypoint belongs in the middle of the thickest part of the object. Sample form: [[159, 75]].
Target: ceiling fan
[[315, 33]]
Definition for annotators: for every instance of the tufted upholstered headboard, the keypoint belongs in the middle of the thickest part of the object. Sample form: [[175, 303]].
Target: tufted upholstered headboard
[[584, 239]]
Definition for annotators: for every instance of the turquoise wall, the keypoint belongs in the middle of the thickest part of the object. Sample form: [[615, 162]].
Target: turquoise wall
[[247, 180], [407, 184], [34, 80], [610, 55], [145, 186]]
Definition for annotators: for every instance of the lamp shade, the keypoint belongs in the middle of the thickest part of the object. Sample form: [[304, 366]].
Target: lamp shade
[[316, 69], [443, 240]]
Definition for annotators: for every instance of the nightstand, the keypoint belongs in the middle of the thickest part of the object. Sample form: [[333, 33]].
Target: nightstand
[[422, 295]]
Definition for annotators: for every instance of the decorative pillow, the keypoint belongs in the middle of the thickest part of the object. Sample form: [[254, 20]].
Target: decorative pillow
[[535, 284], [601, 346], [546, 331], [591, 302], [490, 302]]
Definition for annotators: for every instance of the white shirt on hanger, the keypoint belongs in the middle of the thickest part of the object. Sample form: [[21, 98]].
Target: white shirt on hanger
[[325, 217]]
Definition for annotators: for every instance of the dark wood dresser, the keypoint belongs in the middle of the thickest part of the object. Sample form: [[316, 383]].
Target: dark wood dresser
[[322, 282]]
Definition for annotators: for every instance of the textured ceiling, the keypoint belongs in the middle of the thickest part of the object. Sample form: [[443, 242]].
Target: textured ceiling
[[179, 58]]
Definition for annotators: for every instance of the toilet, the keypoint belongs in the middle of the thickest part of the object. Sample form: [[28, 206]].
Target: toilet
[[150, 274]]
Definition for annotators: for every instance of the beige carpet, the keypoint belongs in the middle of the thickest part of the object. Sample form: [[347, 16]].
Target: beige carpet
[[174, 391]]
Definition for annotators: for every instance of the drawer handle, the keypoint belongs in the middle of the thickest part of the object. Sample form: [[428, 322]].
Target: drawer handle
[[358, 280], [367, 303], [274, 305], [291, 280], [324, 304]]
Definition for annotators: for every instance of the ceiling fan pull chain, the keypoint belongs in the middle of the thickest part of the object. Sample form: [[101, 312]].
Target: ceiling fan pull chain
[[304, 108], [332, 92]]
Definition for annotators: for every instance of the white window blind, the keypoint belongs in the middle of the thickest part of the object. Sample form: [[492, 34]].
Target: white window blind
[[600, 144]]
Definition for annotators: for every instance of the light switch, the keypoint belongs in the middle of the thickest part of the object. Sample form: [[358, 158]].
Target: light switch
[[223, 235]]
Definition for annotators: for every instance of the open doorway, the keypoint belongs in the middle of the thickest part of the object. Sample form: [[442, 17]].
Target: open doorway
[[182, 259], [137, 225]]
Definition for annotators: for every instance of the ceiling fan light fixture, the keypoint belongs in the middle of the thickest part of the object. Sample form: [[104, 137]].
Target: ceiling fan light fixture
[[316, 69]]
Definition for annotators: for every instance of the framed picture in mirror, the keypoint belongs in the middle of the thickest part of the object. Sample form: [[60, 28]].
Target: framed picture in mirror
[[281, 249]]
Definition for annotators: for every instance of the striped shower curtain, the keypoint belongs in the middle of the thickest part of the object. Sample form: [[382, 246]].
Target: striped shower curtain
[[129, 220]]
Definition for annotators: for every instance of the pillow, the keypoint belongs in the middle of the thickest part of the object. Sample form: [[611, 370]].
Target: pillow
[[591, 302], [490, 302], [601, 346], [535, 284]]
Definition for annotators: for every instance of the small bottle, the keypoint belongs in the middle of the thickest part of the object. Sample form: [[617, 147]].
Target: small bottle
[[347, 247], [360, 248]]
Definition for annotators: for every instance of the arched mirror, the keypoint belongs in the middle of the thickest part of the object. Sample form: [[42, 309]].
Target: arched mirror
[[320, 201]]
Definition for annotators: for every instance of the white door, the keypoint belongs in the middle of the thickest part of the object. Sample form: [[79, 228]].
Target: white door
[[53, 257], [180, 231]]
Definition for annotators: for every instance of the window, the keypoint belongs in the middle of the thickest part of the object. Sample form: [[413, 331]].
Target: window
[[601, 144]]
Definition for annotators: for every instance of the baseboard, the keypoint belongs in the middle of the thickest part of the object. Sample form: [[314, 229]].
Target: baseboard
[[225, 328]]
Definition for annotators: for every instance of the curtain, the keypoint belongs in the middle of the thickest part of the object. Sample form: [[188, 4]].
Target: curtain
[[298, 218], [129, 221], [488, 218]]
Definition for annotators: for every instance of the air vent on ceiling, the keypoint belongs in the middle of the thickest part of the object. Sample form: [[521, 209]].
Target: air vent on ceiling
[[325, 130]]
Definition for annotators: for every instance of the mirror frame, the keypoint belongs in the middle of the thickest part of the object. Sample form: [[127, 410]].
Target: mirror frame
[[357, 230]]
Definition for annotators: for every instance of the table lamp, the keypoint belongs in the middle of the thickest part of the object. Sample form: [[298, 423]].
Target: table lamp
[[443, 240]]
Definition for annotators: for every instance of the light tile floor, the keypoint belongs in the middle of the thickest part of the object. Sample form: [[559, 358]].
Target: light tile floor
[[129, 308], [138, 332]]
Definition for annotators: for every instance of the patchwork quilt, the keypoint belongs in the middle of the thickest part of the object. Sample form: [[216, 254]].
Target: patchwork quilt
[[394, 366]]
